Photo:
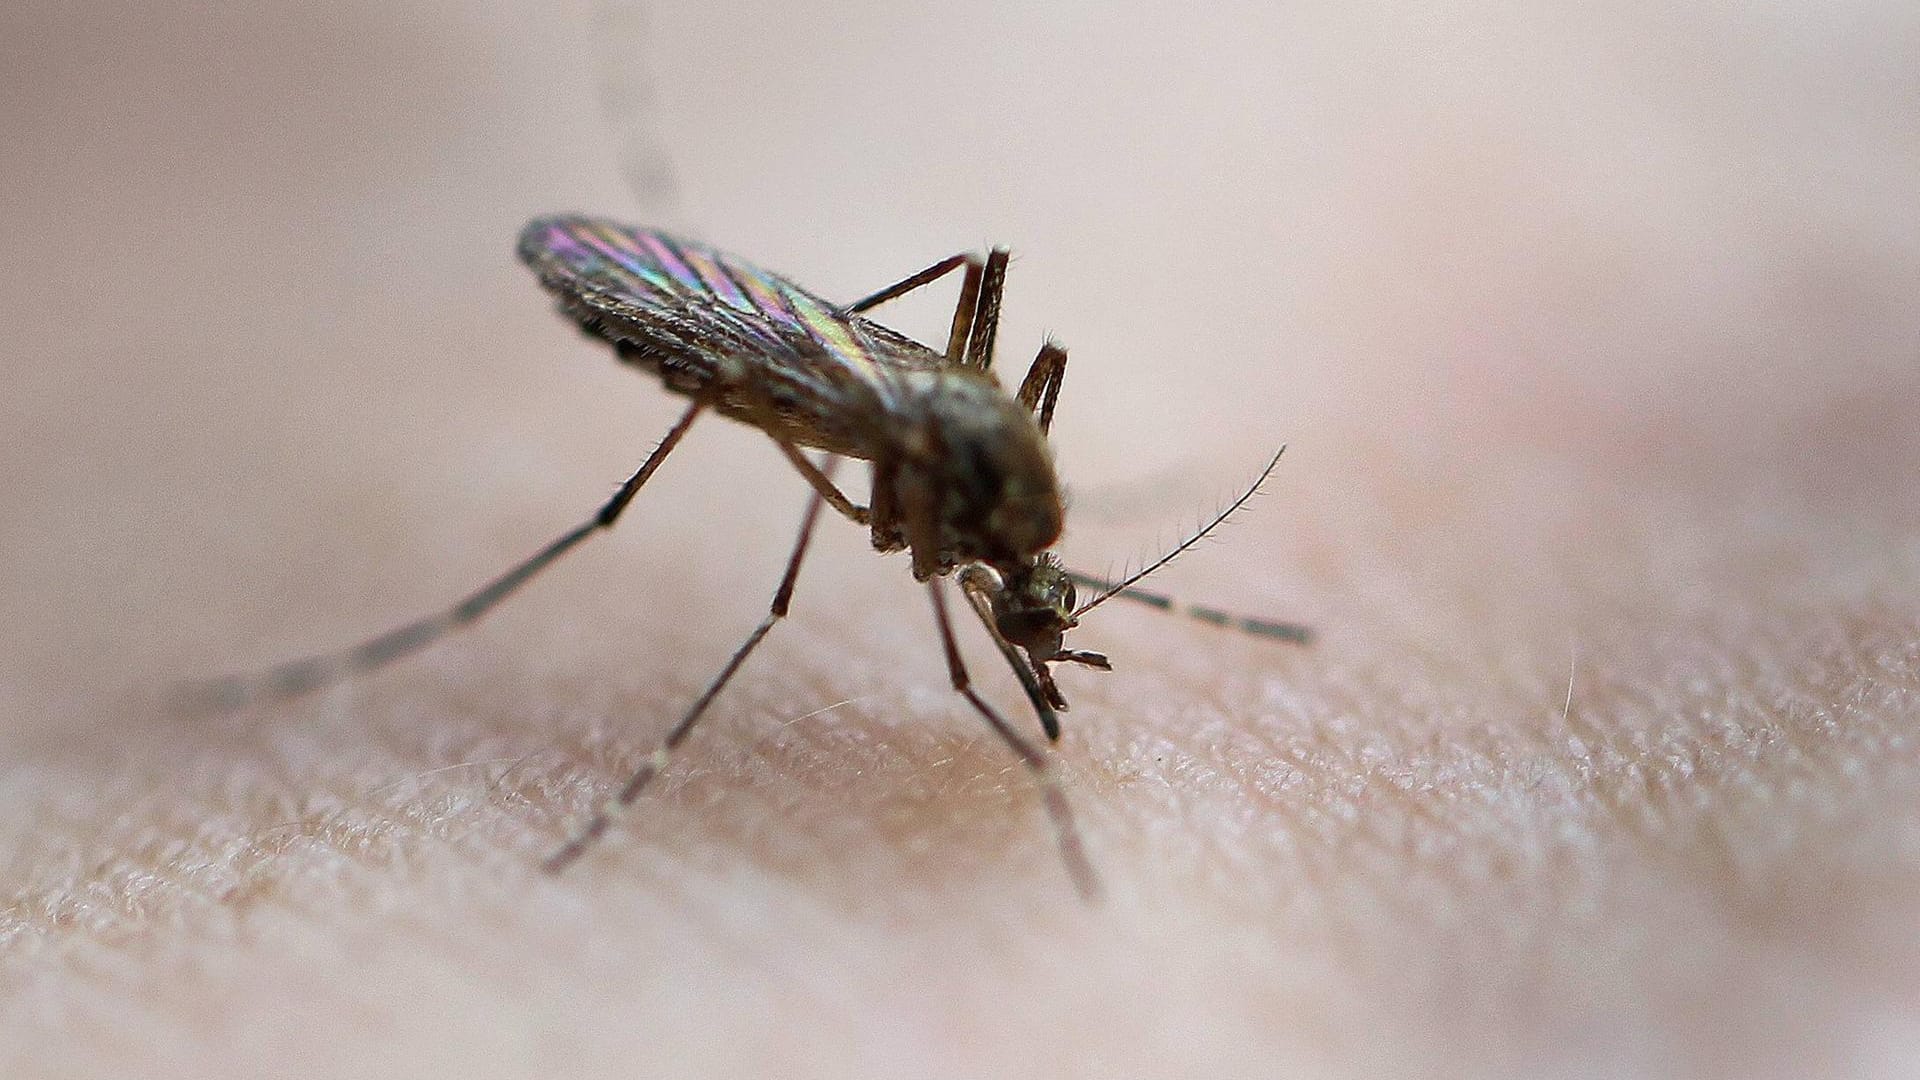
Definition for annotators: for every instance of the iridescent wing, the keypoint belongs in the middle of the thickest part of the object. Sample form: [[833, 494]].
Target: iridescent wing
[[695, 316]]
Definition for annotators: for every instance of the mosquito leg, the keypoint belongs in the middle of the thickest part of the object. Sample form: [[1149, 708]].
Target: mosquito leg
[[979, 596], [964, 312], [986, 318], [604, 817], [1041, 388], [913, 281], [1071, 850], [886, 527], [823, 484], [300, 676], [976, 318], [767, 418]]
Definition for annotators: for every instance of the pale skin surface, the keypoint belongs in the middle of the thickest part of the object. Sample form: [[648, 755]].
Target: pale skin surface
[[1595, 341]]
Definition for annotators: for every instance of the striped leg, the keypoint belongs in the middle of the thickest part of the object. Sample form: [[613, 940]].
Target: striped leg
[[300, 676], [1128, 587], [603, 818], [1246, 624]]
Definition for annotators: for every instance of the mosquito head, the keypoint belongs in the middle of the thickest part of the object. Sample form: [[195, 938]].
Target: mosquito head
[[1033, 609]]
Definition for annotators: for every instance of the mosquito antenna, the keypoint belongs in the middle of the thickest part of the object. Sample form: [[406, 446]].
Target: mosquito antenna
[[1125, 585]]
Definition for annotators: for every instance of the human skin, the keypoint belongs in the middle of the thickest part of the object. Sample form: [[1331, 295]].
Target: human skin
[[1594, 344]]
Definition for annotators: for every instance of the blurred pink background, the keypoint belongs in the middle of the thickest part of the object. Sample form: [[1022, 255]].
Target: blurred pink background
[[1541, 297]]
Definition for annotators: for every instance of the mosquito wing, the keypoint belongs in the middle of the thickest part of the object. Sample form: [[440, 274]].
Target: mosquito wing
[[696, 316]]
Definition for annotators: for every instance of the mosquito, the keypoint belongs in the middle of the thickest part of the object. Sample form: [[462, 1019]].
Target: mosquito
[[962, 473]]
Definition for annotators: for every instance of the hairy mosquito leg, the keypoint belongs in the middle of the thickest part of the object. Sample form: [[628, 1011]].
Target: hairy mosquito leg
[[822, 483], [300, 676], [964, 311], [1041, 388], [911, 282], [986, 318], [975, 584], [976, 317], [604, 817], [1072, 852]]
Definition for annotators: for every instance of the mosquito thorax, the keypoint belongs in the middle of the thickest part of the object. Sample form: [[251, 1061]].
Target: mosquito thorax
[[984, 460]]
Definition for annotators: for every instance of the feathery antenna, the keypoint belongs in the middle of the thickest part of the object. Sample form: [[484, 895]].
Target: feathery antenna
[[1113, 590], [1127, 587]]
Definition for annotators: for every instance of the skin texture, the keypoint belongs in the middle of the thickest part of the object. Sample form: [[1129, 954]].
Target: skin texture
[[1594, 339]]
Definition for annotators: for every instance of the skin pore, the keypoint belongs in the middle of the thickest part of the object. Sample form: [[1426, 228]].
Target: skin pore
[[1595, 363]]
